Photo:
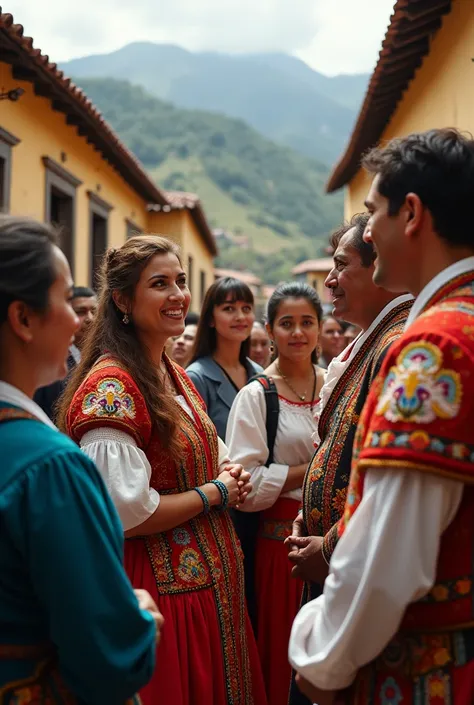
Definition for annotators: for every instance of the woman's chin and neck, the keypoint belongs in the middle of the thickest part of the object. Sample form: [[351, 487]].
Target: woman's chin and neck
[[23, 372], [227, 352], [295, 366]]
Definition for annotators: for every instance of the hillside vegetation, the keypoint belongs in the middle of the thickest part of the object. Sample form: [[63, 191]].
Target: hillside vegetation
[[248, 184]]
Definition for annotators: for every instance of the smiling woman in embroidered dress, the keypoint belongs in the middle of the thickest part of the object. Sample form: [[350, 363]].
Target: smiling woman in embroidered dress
[[139, 416]]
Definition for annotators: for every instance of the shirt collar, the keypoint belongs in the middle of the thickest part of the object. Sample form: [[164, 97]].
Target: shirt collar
[[454, 270], [75, 353], [12, 395], [362, 337]]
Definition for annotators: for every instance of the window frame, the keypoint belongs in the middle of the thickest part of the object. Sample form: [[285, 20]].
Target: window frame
[[7, 141], [56, 176], [97, 206]]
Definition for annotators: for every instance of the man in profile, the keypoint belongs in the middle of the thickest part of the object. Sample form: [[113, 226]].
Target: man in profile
[[395, 621]]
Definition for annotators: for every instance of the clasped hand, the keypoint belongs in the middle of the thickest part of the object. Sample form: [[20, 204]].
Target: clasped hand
[[306, 554], [238, 482]]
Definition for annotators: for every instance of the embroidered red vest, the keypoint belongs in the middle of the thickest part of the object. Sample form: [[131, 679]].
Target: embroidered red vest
[[419, 416]]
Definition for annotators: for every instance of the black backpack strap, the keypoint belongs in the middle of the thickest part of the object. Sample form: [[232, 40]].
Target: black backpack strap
[[273, 411]]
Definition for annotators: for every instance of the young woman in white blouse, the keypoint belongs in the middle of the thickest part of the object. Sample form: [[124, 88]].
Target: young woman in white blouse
[[294, 315]]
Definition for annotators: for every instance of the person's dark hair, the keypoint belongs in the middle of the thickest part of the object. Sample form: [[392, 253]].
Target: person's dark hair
[[222, 290], [83, 292], [192, 319], [358, 222], [438, 166], [121, 271], [27, 268], [294, 290]]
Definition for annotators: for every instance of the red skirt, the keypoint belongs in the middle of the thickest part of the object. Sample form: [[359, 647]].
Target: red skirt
[[278, 598], [189, 659]]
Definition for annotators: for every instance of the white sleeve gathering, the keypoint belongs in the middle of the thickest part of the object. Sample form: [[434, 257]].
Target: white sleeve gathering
[[126, 472], [385, 560]]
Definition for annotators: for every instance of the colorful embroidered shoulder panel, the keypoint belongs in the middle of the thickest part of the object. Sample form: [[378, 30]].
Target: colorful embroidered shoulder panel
[[423, 415], [108, 396]]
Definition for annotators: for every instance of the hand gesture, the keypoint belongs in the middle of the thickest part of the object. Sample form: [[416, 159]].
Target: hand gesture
[[228, 477], [147, 603], [308, 559], [243, 478]]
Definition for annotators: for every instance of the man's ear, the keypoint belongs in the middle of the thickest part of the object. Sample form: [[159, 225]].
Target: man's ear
[[20, 317], [415, 212]]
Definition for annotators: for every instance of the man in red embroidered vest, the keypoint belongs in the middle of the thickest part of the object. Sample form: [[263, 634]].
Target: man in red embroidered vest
[[395, 624]]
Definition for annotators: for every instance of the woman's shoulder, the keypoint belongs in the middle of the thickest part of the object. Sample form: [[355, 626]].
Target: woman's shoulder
[[203, 366], [109, 396]]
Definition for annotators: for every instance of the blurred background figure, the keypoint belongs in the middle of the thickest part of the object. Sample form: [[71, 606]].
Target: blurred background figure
[[260, 346], [182, 347], [84, 303], [351, 333], [331, 340]]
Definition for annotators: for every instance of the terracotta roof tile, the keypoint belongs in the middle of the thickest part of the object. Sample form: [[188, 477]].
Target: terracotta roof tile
[[179, 200], [246, 277], [324, 264], [31, 64], [407, 41]]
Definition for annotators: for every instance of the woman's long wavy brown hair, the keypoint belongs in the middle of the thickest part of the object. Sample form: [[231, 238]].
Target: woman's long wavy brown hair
[[120, 273]]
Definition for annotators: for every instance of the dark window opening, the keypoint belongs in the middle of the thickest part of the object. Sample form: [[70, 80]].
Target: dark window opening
[[98, 247], [61, 214], [203, 286], [190, 274], [3, 185]]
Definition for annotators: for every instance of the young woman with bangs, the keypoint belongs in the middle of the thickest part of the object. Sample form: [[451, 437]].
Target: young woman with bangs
[[220, 364]]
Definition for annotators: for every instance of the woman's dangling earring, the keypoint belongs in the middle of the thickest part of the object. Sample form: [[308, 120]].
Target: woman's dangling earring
[[126, 319]]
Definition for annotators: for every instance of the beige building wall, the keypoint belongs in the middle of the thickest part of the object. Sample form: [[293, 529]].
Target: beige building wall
[[440, 95]]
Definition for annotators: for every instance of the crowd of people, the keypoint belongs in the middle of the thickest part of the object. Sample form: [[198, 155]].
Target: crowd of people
[[213, 509]]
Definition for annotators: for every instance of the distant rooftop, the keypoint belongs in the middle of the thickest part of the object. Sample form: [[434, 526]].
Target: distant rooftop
[[324, 264]]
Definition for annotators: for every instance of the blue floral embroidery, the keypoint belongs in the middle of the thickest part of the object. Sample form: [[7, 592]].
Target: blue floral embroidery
[[181, 537]]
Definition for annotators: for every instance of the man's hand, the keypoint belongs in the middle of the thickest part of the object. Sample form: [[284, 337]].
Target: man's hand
[[308, 559], [147, 603], [315, 695], [297, 530]]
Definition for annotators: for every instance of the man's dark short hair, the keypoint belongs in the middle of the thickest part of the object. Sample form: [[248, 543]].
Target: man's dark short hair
[[191, 319], [365, 249], [438, 166], [82, 291]]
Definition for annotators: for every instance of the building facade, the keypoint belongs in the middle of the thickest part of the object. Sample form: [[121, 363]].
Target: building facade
[[423, 80], [61, 162]]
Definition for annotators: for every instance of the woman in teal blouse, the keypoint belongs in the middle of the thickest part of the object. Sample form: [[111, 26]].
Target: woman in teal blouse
[[72, 630]]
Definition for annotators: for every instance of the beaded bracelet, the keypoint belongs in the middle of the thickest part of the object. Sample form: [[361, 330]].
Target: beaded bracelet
[[224, 494], [205, 500]]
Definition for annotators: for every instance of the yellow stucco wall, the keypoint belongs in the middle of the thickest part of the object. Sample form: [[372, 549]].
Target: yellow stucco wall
[[440, 95], [316, 280], [179, 225], [44, 132]]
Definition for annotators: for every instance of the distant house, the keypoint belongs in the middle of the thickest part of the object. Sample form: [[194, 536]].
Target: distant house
[[423, 79], [61, 162], [314, 272], [254, 282]]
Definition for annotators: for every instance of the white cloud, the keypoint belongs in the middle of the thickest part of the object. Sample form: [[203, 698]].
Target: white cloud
[[331, 35]]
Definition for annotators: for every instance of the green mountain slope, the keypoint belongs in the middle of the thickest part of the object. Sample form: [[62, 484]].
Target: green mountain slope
[[278, 95], [248, 185]]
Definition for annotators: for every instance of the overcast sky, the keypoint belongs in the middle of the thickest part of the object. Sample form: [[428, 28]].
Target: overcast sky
[[333, 36]]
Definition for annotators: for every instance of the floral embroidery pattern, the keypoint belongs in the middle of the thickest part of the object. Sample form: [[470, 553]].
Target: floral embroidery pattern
[[390, 693], [191, 568], [421, 441], [181, 537], [277, 530], [417, 389], [339, 501], [449, 590], [109, 399]]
